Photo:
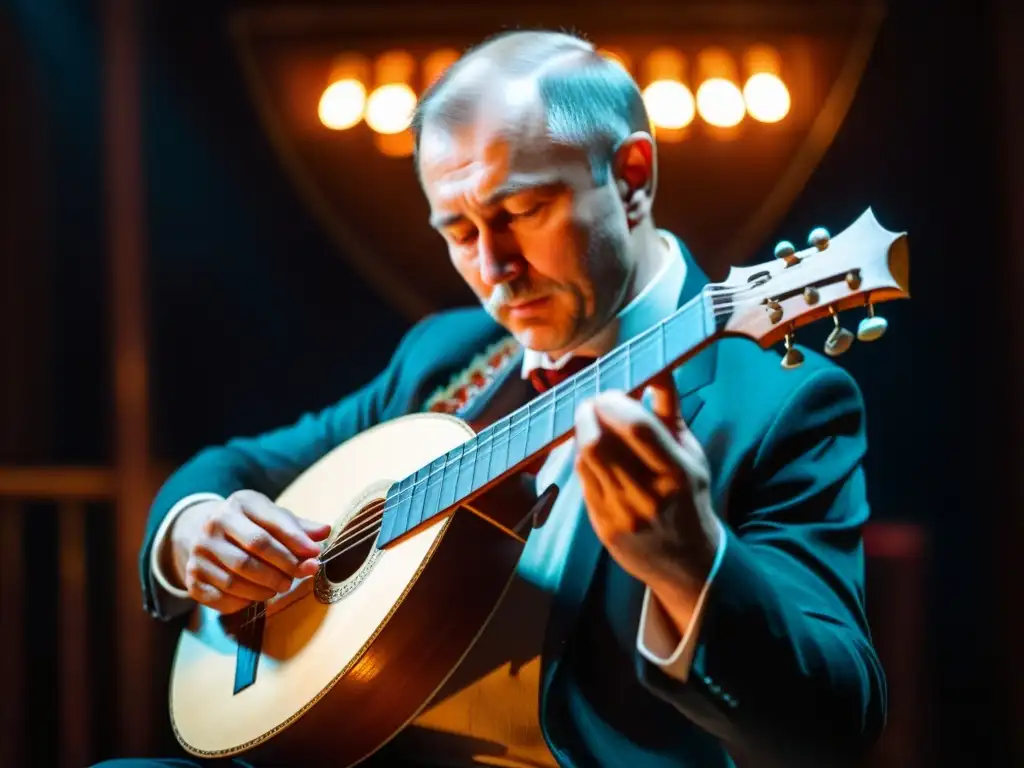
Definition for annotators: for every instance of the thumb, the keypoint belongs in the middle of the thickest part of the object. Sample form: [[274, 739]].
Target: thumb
[[663, 398], [316, 531]]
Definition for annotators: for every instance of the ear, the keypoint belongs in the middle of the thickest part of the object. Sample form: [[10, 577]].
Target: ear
[[636, 175]]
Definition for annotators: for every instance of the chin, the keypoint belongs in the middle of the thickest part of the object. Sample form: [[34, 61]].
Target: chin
[[538, 338]]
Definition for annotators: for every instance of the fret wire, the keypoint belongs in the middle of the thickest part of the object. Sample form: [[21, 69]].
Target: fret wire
[[529, 422], [458, 470], [505, 429], [629, 365]]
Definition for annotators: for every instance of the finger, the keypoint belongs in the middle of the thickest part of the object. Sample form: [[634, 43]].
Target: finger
[[586, 425], [605, 518], [210, 596], [208, 571], [280, 522], [241, 564], [664, 399], [625, 468], [644, 435], [316, 531], [260, 542], [590, 439]]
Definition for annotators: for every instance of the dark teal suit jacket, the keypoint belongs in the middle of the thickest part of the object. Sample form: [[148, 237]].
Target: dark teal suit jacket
[[784, 673]]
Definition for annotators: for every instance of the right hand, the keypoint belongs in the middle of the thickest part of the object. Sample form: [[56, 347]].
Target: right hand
[[229, 554]]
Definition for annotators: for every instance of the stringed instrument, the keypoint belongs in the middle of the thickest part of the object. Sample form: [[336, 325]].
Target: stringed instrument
[[427, 517]]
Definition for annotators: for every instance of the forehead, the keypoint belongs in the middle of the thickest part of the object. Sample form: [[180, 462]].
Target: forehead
[[506, 143]]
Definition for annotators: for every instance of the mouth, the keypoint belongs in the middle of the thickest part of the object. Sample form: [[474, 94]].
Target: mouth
[[522, 308]]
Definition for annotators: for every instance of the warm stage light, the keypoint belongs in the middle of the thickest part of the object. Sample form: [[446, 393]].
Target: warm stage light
[[767, 98], [389, 108], [720, 102], [341, 105], [436, 64], [669, 104]]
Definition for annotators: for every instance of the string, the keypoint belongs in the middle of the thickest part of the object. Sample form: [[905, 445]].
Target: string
[[504, 435], [372, 514], [585, 377]]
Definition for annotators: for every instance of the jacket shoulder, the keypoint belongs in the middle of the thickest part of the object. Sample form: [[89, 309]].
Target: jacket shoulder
[[751, 381]]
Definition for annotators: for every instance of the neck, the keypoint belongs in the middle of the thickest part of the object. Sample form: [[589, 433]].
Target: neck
[[510, 444], [649, 254]]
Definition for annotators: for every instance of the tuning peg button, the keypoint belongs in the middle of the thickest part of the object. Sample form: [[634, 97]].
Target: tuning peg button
[[839, 340], [793, 358], [784, 249], [872, 327], [819, 238]]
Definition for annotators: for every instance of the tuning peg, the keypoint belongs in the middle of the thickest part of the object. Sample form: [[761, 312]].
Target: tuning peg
[[839, 340], [819, 238], [793, 358], [784, 249], [872, 327], [774, 310]]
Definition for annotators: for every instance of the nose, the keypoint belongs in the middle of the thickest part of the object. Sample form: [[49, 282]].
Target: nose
[[499, 256]]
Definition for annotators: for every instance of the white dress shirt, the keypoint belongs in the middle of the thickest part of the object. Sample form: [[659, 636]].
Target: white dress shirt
[[489, 714]]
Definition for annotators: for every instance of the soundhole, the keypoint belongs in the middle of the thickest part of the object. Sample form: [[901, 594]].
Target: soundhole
[[351, 554], [354, 543]]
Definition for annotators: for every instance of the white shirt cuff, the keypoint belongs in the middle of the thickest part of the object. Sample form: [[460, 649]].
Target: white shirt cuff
[[161, 535], [656, 636]]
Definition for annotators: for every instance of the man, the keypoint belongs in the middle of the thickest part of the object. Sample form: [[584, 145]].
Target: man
[[694, 597]]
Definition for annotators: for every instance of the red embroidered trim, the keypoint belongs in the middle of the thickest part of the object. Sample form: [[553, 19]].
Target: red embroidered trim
[[472, 381]]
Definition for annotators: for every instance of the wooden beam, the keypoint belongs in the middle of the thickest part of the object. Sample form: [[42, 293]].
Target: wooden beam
[[54, 483], [12, 618], [125, 194], [73, 639]]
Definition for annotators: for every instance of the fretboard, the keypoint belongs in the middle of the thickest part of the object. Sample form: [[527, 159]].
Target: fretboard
[[526, 433]]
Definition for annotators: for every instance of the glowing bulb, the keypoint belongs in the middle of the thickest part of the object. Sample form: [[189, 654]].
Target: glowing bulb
[[767, 98], [720, 102], [669, 104], [341, 105], [389, 108]]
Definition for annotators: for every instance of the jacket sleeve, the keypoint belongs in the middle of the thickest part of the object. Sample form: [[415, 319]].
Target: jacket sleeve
[[269, 462], [784, 672]]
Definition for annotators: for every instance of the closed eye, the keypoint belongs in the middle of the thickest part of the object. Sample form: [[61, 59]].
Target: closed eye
[[533, 210]]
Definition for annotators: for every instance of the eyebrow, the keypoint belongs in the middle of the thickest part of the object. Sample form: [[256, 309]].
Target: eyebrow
[[508, 189]]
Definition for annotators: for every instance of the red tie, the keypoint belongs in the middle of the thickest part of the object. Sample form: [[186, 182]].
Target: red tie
[[544, 379]]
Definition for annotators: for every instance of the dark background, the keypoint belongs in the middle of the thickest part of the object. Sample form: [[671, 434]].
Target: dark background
[[251, 307]]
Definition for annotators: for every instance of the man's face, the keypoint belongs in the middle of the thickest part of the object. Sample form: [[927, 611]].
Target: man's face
[[543, 247]]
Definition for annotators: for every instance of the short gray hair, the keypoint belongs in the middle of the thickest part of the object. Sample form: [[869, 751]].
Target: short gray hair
[[589, 101]]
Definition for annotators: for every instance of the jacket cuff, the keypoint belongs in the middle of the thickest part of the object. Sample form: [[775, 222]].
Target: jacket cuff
[[658, 638]]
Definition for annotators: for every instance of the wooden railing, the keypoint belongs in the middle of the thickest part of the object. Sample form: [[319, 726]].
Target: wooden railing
[[896, 555], [69, 489], [73, 496]]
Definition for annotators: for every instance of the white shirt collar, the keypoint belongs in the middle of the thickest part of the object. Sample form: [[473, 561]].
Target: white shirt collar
[[654, 303]]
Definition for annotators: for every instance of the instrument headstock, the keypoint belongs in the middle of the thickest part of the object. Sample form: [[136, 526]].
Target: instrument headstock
[[862, 266]]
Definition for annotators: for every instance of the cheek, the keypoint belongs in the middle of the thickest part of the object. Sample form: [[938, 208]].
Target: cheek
[[467, 269]]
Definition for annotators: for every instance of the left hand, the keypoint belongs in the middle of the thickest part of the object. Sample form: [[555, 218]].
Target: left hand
[[646, 485]]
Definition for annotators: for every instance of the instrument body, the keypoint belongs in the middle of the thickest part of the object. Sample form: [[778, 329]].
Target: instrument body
[[360, 656]]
